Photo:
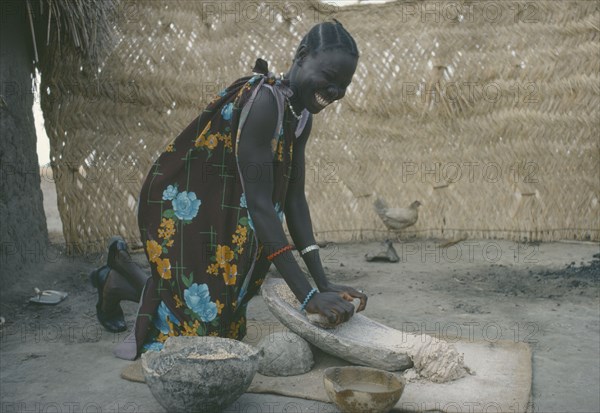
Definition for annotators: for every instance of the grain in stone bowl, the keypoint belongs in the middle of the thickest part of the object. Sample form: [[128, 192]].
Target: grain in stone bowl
[[287, 295], [188, 372]]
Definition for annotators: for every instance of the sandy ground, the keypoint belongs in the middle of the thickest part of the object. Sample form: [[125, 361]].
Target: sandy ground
[[58, 358], [50, 206]]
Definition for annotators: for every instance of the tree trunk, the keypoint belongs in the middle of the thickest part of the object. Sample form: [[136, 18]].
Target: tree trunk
[[23, 230]]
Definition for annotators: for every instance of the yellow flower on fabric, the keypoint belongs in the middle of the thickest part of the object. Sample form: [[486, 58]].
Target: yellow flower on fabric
[[213, 269], [224, 255], [154, 250], [226, 140], [178, 302], [163, 337], [164, 268], [201, 139], [212, 141], [190, 330], [280, 151], [167, 228], [214, 334], [170, 243], [219, 307], [167, 223], [240, 235], [230, 273], [170, 148], [171, 328]]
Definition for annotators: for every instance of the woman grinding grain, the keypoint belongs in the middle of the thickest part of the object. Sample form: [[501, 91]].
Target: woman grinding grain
[[211, 208]]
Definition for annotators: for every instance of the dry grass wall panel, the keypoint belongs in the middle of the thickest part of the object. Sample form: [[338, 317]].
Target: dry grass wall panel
[[486, 112]]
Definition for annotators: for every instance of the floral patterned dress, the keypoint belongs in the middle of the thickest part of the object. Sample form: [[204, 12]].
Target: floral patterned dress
[[199, 238]]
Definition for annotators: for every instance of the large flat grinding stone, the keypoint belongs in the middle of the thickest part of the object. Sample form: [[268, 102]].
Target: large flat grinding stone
[[359, 340]]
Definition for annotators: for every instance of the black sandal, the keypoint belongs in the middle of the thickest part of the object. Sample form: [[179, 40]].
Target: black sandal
[[115, 323]]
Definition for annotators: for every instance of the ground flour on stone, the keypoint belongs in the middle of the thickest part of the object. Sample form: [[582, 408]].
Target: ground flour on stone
[[221, 355], [435, 360]]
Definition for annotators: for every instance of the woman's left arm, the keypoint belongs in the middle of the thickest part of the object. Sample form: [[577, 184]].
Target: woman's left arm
[[297, 216]]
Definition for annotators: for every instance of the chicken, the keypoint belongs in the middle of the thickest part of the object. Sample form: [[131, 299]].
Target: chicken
[[396, 219]]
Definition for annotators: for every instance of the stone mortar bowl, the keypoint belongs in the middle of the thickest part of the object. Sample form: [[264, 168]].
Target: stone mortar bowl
[[362, 389], [199, 374]]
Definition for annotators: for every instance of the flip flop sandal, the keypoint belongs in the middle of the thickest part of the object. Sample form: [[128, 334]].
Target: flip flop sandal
[[115, 323], [49, 297]]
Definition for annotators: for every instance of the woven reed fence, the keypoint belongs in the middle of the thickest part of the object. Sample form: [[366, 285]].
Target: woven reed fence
[[486, 112]]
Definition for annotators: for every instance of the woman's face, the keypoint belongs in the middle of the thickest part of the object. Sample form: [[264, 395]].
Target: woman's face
[[323, 78]]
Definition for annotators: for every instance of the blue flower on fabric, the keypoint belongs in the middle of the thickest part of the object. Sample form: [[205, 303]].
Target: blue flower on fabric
[[223, 92], [226, 111], [160, 322], [243, 204], [170, 193], [250, 223], [154, 346], [253, 79], [279, 211], [186, 205], [197, 298]]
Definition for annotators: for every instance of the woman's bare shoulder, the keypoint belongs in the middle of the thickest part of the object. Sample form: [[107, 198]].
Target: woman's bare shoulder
[[263, 113]]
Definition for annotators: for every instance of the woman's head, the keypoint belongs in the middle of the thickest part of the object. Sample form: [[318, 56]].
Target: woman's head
[[324, 64], [328, 36]]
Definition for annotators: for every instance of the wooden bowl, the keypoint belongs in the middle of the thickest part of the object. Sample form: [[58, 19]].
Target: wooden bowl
[[362, 389]]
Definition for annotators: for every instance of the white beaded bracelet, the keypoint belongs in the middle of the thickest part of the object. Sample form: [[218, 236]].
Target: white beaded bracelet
[[309, 249]]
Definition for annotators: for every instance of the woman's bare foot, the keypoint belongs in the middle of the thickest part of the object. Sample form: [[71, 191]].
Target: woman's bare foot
[[117, 288], [109, 314]]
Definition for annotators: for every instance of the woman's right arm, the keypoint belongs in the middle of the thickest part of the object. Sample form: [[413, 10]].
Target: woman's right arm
[[256, 164]]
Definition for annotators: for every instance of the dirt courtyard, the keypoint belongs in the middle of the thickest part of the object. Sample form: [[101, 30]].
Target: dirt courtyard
[[58, 358]]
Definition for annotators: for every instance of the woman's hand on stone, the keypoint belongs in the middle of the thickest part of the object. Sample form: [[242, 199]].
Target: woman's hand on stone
[[332, 306], [348, 293]]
